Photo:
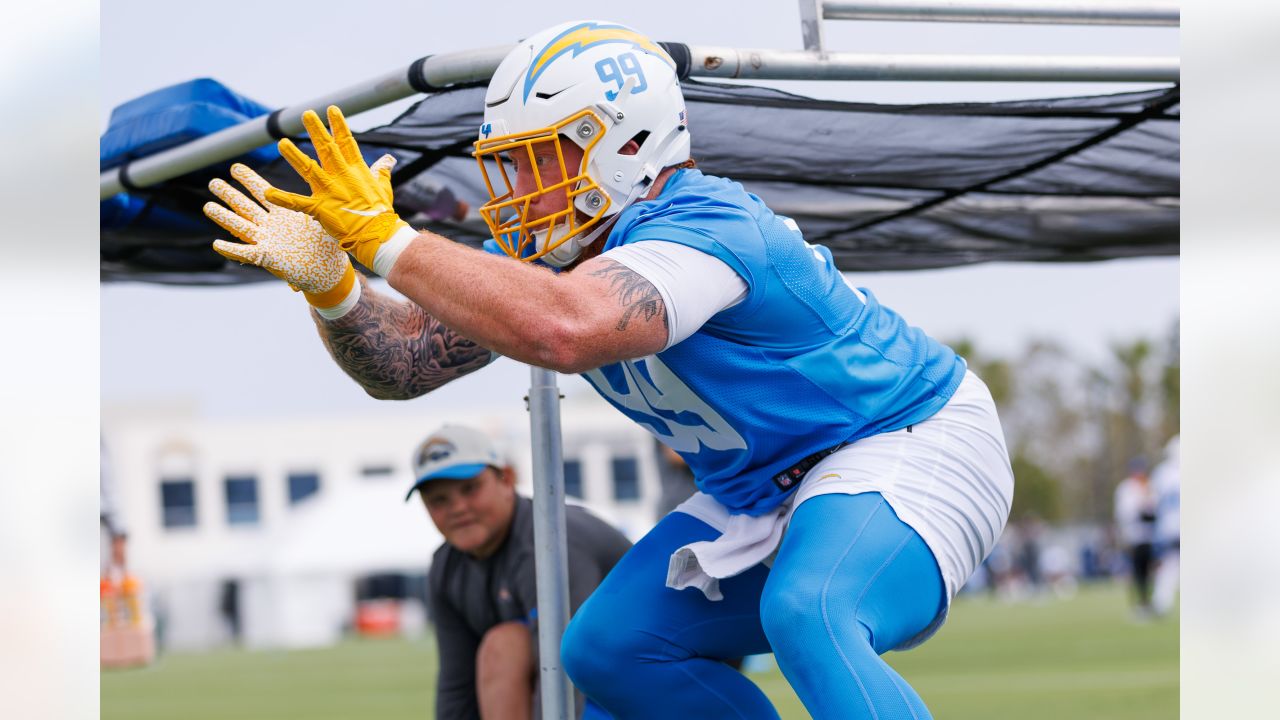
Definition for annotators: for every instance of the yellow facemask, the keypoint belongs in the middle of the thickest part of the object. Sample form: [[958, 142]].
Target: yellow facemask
[[509, 215]]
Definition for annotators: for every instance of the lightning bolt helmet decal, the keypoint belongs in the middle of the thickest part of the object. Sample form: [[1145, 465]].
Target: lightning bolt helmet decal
[[585, 35]]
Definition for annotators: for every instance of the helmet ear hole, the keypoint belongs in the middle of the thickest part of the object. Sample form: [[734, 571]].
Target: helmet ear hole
[[634, 149]]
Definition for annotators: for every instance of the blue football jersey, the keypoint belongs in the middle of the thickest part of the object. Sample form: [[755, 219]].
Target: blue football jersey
[[803, 364]]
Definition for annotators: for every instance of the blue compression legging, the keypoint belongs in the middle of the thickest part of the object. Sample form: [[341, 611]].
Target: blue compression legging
[[850, 582]]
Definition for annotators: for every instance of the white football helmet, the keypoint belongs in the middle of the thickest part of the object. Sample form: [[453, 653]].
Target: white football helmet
[[598, 85]]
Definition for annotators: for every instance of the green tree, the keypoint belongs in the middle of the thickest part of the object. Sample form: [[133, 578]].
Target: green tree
[[995, 372], [1171, 386], [1037, 492], [1071, 426]]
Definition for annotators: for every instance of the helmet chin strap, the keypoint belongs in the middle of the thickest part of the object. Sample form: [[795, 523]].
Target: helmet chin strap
[[570, 249]]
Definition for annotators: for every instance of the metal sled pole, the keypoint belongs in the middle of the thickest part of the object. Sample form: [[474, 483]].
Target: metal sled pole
[[550, 547], [438, 72], [723, 62], [1049, 12], [427, 74]]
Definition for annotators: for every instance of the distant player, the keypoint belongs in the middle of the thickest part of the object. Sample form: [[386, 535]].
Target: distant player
[[1166, 484], [800, 403], [114, 534], [1135, 516]]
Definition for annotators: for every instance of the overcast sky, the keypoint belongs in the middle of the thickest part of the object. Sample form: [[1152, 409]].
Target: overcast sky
[[252, 348]]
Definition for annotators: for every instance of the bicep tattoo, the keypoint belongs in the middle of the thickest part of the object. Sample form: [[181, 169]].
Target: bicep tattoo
[[636, 295], [396, 350]]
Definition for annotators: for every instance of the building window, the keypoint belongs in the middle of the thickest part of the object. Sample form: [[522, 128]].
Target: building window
[[573, 479], [377, 472], [626, 479], [303, 485], [178, 503], [242, 500]]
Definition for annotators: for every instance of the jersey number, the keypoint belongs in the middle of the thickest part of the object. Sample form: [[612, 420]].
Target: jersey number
[[666, 402]]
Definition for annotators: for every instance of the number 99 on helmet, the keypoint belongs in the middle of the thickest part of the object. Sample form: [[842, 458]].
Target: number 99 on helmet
[[600, 86]]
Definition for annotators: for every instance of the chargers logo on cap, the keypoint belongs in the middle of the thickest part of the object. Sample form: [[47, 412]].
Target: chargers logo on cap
[[435, 450]]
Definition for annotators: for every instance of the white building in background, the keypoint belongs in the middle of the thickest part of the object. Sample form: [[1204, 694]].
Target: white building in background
[[280, 523]]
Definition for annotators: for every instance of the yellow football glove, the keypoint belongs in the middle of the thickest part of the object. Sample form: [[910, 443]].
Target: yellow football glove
[[285, 243], [351, 202]]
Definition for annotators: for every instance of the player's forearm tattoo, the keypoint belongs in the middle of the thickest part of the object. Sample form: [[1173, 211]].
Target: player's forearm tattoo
[[635, 294], [395, 350]]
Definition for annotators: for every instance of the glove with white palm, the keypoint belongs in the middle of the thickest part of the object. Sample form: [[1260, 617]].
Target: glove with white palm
[[288, 244]]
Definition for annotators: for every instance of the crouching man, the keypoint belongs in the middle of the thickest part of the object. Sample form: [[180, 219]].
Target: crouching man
[[482, 582]]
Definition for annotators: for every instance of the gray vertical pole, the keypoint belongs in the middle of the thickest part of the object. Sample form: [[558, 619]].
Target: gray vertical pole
[[811, 25], [550, 549]]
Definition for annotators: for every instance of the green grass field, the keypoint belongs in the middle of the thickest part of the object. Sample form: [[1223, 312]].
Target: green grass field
[[1048, 660]]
